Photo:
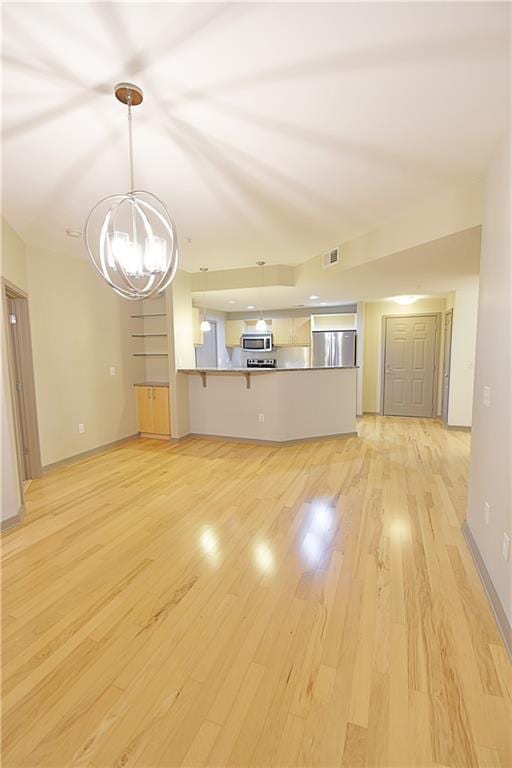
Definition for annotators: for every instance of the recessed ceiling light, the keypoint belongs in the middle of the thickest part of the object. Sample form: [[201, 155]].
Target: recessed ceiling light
[[250, 306], [73, 233], [405, 299], [313, 297], [232, 301]]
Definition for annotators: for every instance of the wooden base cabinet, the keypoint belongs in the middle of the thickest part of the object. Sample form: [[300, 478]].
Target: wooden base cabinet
[[153, 417]]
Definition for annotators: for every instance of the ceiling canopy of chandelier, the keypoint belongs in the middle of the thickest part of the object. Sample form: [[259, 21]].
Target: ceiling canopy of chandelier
[[131, 238]]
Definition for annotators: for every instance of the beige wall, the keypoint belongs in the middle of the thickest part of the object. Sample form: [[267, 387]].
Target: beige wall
[[424, 222], [334, 322], [181, 349], [453, 210], [80, 329], [490, 471], [465, 310], [360, 320], [374, 312], [246, 277], [13, 269], [14, 265]]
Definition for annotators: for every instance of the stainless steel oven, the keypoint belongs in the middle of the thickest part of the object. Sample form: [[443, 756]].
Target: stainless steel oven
[[257, 342]]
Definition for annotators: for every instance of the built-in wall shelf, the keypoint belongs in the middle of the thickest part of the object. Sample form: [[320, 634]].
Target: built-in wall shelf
[[156, 314], [150, 354], [148, 335]]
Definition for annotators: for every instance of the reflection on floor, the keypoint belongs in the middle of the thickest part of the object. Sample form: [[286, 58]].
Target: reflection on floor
[[213, 603]]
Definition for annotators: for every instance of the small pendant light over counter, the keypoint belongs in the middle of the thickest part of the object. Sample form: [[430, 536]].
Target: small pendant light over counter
[[205, 325], [261, 324], [131, 238]]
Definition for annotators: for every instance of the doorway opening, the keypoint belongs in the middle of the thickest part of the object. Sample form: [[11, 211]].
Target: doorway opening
[[409, 364], [21, 374], [206, 354]]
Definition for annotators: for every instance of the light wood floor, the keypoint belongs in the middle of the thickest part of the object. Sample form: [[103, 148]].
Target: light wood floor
[[213, 603]]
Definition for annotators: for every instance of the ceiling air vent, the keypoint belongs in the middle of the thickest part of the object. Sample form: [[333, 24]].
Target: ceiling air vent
[[330, 258]]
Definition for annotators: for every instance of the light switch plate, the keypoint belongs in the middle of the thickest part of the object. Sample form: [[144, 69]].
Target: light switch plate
[[81, 428], [112, 370], [487, 397]]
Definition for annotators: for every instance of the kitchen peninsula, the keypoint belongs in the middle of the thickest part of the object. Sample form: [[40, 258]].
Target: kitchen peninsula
[[272, 405]]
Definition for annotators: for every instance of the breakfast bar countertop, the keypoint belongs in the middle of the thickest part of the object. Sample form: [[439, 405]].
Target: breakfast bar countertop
[[267, 370]]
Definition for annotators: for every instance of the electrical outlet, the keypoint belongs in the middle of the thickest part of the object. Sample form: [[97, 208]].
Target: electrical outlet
[[81, 428], [505, 547], [487, 512], [261, 418], [487, 397], [112, 370]]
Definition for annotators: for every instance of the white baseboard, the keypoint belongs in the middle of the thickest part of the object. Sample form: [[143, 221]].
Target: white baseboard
[[80, 456], [492, 595], [14, 521]]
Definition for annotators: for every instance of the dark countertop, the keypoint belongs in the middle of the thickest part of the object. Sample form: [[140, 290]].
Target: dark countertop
[[267, 370], [152, 384]]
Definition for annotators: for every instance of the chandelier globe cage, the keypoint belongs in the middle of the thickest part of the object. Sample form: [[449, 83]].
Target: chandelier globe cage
[[131, 238]]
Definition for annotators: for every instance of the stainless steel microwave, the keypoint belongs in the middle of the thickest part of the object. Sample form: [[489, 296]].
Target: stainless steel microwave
[[257, 342]]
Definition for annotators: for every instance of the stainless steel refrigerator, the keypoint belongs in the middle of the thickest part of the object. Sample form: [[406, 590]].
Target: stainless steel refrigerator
[[334, 348]]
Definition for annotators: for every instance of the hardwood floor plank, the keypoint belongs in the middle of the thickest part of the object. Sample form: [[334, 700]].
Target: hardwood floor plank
[[211, 603]]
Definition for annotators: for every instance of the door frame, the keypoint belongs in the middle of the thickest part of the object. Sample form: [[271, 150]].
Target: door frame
[[437, 350], [448, 312], [26, 398]]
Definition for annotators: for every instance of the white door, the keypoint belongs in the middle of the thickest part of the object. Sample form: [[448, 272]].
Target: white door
[[409, 365]]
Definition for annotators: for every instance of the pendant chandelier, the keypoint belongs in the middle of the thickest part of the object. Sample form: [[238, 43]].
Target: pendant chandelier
[[131, 238], [205, 324], [261, 324]]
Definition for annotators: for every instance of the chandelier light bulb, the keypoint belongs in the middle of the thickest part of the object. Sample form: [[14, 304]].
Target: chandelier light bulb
[[131, 238], [205, 325], [261, 325]]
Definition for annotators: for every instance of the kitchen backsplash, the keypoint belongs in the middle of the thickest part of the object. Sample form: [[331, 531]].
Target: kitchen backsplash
[[287, 357]]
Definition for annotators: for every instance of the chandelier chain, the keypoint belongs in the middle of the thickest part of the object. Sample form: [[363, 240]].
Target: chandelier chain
[[130, 141]]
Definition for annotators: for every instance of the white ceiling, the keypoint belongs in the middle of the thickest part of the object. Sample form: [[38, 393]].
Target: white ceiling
[[271, 130]]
